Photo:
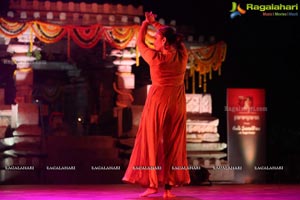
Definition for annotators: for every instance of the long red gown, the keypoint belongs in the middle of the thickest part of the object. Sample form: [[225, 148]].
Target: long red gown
[[159, 153]]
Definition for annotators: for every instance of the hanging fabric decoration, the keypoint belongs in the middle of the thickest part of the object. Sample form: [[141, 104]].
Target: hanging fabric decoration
[[186, 81], [206, 57], [119, 37], [104, 49], [193, 83], [200, 80], [121, 33], [150, 38], [12, 29], [205, 60], [86, 37], [31, 40], [69, 46], [48, 33], [137, 58]]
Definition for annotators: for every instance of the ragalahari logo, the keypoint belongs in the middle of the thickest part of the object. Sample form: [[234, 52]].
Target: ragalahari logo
[[236, 10]]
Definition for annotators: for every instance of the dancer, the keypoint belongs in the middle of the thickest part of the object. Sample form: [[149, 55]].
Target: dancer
[[159, 153]]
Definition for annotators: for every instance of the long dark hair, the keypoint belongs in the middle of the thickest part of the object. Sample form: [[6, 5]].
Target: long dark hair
[[173, 38]]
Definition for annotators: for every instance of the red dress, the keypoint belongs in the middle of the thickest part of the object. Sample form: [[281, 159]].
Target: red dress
[[159, 153]]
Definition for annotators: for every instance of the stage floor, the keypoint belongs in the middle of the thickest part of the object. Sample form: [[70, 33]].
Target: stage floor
[[130, 192]]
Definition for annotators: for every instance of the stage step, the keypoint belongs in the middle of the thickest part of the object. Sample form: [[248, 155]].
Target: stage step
[[62, 160]]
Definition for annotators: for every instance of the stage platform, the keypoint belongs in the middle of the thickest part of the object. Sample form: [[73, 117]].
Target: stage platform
[[131, 192]]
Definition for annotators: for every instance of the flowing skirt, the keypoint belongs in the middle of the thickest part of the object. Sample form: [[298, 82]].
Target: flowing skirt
[[159, 153]]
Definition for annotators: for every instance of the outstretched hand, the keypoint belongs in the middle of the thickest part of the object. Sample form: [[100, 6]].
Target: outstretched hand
[[150, 17]]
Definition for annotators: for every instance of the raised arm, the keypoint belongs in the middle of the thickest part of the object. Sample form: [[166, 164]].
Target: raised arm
[[146, 52], [141, 37]]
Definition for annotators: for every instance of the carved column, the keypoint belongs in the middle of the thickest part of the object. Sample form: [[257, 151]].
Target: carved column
[[22, 56], [124, 84]]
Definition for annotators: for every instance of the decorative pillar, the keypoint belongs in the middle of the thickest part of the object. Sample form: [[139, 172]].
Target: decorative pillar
[[125, 79], [23, 58], [124, 84]]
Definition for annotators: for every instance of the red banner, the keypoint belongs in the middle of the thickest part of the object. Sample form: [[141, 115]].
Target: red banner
[[246, 132]]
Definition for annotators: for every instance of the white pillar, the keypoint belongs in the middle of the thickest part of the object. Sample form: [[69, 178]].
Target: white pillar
[[23, 74]]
